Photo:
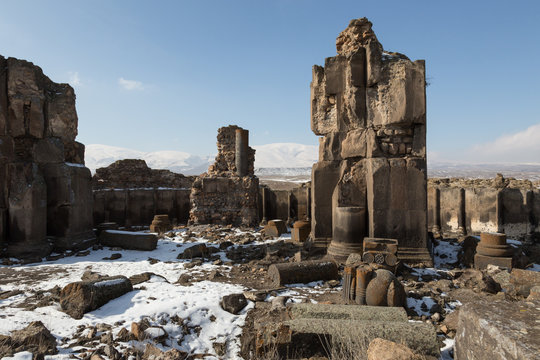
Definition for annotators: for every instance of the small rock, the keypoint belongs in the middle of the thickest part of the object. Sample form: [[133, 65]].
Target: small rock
[[35, 338], [106, 338], [233, 303], [380, 349], [279, 302], [220, 348], [184, 279], [257, 295], [214, 274], [123, 335]]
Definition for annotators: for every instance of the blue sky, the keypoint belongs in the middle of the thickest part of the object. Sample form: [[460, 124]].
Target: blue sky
[[164, 75]]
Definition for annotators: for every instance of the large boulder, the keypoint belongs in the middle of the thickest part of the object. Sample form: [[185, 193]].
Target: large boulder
[[35, 338], [493, 330]]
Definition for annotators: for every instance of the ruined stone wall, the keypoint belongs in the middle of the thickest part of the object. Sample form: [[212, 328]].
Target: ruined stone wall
[[45, 191], [465, 206], [226, 194], [129, 193], [369, 108], [137, 207], [135, 174]]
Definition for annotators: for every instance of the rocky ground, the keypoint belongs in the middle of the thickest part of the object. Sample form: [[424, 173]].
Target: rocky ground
[[180, 308]]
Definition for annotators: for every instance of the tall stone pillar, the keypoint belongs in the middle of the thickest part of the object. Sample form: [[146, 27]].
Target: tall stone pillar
[[45, 189], [241, 150], [369, 106]]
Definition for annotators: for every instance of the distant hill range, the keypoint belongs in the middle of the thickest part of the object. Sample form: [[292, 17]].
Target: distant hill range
[[287, 160]]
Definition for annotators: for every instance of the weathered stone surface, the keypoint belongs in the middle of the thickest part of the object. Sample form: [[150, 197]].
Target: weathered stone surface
[[478, 281], [352, 312], [233, 303], [134, 174], [385, 290], [78, 298], [221, 196], [420, 337], [524, 280], [38, 126], [369, 106], [498, 330], [128, 240], [35, 338], [195, 251], [161, 224], [380, 349], [275, 228], [302, 272], [301, 230]]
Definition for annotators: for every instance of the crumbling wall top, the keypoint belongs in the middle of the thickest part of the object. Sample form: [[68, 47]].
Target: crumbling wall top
[[356, 35], [225, 164]]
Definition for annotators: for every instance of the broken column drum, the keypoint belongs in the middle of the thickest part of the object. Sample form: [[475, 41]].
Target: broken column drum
[[348, 230], [369, 108], [493, 249]]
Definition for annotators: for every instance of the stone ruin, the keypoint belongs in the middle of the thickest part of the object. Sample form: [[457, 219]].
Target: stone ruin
[[45, 189], [369, 107], [135, 174], [228, 193]]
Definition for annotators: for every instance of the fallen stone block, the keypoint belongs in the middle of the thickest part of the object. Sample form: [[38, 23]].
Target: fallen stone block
[[310, 337], [524, 280], [493, 330], [233, 303], [128, 240], [302, 272], [195, 251], [301, 230], [160, 224], [380, 349], [348, 312], [80, 297], [35, 338], [275, 228]]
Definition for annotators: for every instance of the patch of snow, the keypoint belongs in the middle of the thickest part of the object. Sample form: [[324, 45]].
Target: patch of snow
[[75, 165], [418, 304], [447, 351], [534, 267], [109, 282], [24, 355], [445, 254]]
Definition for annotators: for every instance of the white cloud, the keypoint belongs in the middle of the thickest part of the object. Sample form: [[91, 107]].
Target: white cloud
[[130, 84], [521, 147], [74, 79]]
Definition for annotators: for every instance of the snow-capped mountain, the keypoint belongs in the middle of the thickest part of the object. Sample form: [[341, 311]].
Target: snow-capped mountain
[[282, 157]]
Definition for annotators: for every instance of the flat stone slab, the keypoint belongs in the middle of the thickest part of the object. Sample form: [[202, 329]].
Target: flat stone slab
[[128, 240], [493, 330], [350, 312], [418, 336]]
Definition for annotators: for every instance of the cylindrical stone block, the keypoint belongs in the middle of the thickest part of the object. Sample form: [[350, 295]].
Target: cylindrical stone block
[[241, 147], [494, 244], [348, 231]]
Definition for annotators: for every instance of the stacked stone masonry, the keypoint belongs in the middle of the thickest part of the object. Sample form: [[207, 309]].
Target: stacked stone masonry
[[459, 207], [45, 189], [369, 107], [228, 193]]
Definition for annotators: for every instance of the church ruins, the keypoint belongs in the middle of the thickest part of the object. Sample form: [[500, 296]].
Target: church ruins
[[366, 211], [45, 189], [369, 107]]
